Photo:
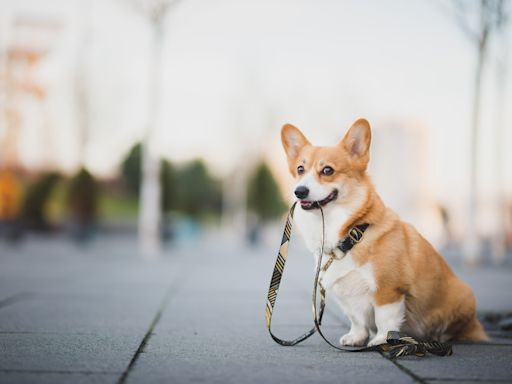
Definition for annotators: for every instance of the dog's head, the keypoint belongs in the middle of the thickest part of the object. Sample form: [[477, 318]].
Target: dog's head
[[328, 175]]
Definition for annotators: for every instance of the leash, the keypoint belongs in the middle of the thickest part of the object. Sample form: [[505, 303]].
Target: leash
[[397, 344]]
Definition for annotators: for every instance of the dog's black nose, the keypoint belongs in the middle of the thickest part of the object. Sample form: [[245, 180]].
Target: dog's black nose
[[301, 192]]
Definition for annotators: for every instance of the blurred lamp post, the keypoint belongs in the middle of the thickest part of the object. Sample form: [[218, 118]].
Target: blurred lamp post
[[502, 72], [149, 211], [82, 80]]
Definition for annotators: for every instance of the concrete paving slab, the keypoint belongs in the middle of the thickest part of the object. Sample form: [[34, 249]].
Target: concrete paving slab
[[66, 352], [90, 310], [213, 333], [469, 362], [82, 313], [465, 381], [492, 286], [232, 369], [56, 378]]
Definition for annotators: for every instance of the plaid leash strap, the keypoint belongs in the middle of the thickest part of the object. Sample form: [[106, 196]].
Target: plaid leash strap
[[398, 344]]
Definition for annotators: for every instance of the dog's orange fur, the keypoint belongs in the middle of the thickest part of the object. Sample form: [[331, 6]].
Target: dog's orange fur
[[404, 263]]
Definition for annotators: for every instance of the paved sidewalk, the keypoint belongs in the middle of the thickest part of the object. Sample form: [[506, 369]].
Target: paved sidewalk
[[103, 315]]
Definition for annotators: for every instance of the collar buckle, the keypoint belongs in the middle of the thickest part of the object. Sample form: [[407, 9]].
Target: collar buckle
[[355, 234]]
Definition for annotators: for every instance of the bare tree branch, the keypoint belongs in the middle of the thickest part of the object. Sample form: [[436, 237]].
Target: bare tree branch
[[155, 10], [459, 12]]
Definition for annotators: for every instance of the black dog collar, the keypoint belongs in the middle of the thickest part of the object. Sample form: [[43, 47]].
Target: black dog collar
[[354, 236]]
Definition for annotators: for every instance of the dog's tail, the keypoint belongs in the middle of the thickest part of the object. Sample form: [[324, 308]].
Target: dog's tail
[[473, 332]]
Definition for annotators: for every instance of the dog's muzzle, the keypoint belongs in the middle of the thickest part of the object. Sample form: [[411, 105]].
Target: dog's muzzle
[[308, 205]]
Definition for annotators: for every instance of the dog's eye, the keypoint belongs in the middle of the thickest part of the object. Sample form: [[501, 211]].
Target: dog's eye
[[300, 170], [327, 171]]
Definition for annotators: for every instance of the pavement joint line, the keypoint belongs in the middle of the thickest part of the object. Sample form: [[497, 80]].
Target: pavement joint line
[[405, 370], [15, 298], [149, 333]]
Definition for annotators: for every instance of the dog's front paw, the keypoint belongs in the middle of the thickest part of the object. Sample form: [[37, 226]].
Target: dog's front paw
[[353, 339], [377, 340]]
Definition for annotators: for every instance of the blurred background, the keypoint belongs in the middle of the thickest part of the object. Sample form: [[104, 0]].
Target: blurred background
[[159, 120]]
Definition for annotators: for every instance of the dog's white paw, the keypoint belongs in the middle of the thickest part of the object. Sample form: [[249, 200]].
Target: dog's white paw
[[377, 340], [354, 339]]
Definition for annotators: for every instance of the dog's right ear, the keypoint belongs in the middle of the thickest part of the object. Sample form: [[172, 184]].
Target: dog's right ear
[[293, 142]]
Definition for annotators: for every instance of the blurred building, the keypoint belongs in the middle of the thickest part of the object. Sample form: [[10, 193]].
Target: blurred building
[[23, 94], [399, 168]]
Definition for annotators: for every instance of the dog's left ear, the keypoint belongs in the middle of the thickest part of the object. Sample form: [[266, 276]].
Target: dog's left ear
[[357, 143]]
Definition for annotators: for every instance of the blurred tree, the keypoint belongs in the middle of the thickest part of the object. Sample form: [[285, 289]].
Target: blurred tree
[[131, 172], [168, 182], [83, 196], [36, 198], [197, 191], [169, 199], [263, 196], [131, 169]]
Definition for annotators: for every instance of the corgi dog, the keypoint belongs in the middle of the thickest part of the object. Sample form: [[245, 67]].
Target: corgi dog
[[393, 279]]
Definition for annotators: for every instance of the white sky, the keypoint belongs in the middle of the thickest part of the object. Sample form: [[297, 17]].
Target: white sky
[[235, 71]]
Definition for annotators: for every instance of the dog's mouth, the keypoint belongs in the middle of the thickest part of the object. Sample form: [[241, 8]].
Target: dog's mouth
[[308, 204]]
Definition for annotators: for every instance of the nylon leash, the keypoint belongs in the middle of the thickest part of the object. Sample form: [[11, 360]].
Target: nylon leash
[[398, 344]]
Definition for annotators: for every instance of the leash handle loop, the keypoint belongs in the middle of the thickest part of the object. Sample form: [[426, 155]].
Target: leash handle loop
[[275, 282]]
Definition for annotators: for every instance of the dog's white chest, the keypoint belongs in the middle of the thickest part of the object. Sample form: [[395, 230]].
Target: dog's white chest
[[352, 279], [352, 285], [309, 224]]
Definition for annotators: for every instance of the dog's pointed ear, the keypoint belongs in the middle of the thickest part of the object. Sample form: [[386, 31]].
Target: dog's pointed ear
[[293, 142], [357, 142]]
